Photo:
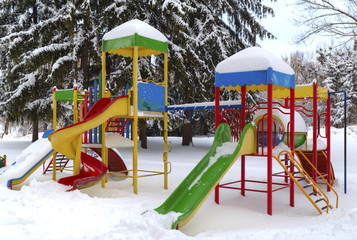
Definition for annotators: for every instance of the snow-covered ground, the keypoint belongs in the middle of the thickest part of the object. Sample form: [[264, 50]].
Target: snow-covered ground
[[42, 209]]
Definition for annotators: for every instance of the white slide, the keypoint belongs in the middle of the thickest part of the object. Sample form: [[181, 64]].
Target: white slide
[[27, 162]]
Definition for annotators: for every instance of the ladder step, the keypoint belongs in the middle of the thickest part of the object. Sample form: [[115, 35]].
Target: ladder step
[[323, 208], [284, 160], [313, 193], [295, 172], [309, 185], [319, 200], [289, 166], [301, 179]]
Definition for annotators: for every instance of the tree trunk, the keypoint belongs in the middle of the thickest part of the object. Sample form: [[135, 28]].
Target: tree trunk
[[35, 129], [84, 65], [6, 130], [142, 133], [187, 133]]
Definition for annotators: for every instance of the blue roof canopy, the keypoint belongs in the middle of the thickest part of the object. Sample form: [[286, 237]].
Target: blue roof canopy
[[255, 68]]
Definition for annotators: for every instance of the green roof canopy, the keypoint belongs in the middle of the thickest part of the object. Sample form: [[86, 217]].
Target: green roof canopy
[[123, 38]]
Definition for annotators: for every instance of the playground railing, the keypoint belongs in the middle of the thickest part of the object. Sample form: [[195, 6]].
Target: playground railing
[[233, 119]]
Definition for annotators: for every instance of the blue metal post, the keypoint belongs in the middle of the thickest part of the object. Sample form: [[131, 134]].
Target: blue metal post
[[90, 140], [95, 100]]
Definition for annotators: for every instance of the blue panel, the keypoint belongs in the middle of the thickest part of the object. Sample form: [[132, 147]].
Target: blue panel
[[274, 135], [257, 78], [283, 80], [151, 97], [241, 78], [47, 133]]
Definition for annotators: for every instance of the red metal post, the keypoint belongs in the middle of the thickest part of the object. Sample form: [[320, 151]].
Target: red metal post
[[314, 148], [243, 90], [217, 113], [292, 140], [270, 151], [287, 130], [85, 113], [328, 139]]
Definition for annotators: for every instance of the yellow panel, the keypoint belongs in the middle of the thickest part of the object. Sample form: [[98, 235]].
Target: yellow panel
[[302, 92], [128, 52], [254, 88]]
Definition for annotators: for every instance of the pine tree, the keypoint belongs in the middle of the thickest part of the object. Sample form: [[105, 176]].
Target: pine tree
[[339, 73], [44, 44]]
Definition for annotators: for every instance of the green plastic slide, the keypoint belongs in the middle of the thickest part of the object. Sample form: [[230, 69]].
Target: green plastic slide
[[200, 182], [299, 139]]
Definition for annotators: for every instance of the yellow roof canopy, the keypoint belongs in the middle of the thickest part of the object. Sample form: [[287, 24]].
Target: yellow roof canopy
[[301, 92]]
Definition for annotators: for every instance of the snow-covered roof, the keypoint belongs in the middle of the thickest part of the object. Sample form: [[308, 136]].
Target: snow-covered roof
[[122, 39], [253, 59], [283, 114], [254, 68], [135, 26]]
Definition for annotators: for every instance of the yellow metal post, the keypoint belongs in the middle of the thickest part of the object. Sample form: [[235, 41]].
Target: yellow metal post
[[54, 128], [135, 119], [77, 159], [75, 105], [165, 123], [104, 149], [104, 154]]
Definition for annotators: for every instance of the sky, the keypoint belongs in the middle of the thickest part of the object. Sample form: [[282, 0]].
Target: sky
[[283, 28]]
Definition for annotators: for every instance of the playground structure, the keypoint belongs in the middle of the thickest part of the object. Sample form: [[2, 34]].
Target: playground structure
[[133, 39], [277, 78], [254, 69], [274, 124], [144, 100]]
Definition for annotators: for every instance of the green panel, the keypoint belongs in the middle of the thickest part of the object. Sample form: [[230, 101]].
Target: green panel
[[118, 43], [134, 40], [64, 95], [299, 139], [188, 196]]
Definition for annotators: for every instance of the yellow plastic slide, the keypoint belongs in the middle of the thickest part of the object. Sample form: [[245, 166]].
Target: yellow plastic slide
[[64, 140]]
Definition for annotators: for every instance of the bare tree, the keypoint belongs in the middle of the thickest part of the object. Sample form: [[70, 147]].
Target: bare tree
[[328, 18]]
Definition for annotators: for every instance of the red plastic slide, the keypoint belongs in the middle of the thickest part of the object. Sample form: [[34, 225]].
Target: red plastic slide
[[115, 163], [92, 171]]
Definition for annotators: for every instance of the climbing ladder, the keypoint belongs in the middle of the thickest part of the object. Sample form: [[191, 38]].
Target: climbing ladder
[[61, 163], [305, 183], [116, 125]]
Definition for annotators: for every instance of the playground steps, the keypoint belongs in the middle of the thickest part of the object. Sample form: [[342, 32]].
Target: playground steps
[[302, 179], [61, 163], [306, 157], [116, 125]]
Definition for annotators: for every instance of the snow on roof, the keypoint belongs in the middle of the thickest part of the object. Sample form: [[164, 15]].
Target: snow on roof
[[283, 114], [253, 59], [135, 26]]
